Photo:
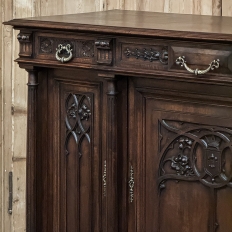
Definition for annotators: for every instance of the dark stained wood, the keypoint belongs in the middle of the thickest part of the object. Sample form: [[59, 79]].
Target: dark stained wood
[[31, 173], [79, 178], [112, 155], [129, 22], [181, 202], [121, 137]]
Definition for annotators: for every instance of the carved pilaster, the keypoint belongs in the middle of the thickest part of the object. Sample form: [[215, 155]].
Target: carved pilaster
[[31, 151], [111, 193], [104, 51], [25, 40]]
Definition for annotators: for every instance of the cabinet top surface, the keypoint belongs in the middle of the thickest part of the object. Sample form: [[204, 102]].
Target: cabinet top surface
[[134, 22]]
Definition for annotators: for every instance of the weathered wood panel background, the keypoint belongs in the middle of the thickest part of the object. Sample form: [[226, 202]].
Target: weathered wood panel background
[[13, 90]]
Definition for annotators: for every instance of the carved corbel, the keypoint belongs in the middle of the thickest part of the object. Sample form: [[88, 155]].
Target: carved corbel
[[25, 40], [104, 51]]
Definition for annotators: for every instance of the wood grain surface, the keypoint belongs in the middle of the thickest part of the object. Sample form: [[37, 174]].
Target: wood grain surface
[[153, 24], [13, 92], [227, 8]]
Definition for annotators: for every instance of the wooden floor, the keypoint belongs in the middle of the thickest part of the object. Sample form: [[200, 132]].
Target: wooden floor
[[13, 81]]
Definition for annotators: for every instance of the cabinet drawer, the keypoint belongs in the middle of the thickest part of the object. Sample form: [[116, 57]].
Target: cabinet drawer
[[82, 47], [144, 54], [199, 57], [153, 54]]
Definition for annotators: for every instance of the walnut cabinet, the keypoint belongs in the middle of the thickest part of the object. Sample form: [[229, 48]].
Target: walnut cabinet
[[129, 122]]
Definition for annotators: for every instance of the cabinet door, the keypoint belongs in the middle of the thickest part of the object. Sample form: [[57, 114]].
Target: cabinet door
[[75, 164], [180, 149]]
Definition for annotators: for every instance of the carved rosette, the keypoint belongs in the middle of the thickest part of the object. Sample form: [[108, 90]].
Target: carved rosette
[[104, 51], [196, 153], [78, 119], [25, 41], [46, 45]]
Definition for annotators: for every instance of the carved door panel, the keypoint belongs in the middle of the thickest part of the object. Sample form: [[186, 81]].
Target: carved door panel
[[181, 159], [76, 145]]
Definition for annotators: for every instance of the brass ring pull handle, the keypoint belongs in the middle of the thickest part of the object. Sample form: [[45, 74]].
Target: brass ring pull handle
[[182, 62], [66, 48]]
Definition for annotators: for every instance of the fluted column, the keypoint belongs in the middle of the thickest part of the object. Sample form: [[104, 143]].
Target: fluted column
[[31, 151], [111, 154]]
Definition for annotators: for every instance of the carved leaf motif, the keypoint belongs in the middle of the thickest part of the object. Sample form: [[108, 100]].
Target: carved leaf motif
[[181, 163], [180, 153], [148, 54]]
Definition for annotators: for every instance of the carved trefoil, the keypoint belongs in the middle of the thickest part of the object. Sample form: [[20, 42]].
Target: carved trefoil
[[78, 119], [104, 51], [25, 40]]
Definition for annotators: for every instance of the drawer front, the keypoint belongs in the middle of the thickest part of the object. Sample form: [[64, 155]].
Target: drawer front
[[203, 59], [81, 47], [142, 54], [211, 59]]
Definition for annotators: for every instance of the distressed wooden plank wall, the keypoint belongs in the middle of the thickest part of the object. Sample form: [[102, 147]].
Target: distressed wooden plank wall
[[6, 123], [227, 8], [13, 89]]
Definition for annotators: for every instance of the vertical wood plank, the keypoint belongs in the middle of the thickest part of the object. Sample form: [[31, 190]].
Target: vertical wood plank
[[226, 7], [19, 187], [6, 151], [197, 7], [1, 132], [48, 7], [217, 7], [131, 5], [206, 7], [112, 4], [21, 8], [156, 6]]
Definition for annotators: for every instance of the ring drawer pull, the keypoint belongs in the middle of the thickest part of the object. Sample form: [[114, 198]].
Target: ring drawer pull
[[66, 48], [182, 62]]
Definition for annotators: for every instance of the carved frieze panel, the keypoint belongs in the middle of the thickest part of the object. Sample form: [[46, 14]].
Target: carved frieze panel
[[193, 152], [78, 119], [148, 54], [25, 40], [81, 48]]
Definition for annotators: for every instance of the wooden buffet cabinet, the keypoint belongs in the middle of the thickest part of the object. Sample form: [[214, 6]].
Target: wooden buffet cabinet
[[129, 122]]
